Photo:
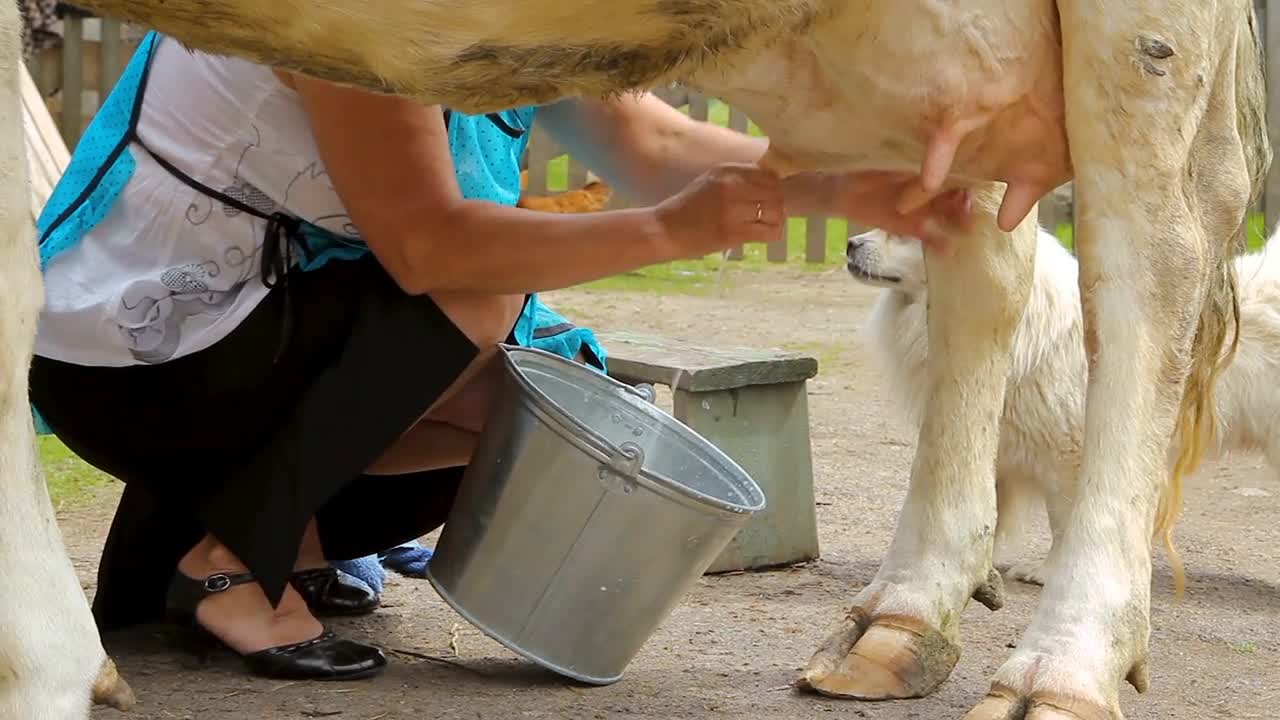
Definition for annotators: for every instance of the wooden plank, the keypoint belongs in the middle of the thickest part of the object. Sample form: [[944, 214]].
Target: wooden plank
[[51, 148], [815, 240], [674, 95], [737, 121], [1049, 213], [47, 155], [698, 106], [1271, 202], [577, 174], [109, 58], [541, 150], [683, 365], [776, 251], [72, 77]]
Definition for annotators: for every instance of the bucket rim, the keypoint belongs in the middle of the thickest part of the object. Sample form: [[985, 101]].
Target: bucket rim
[[583, 435]]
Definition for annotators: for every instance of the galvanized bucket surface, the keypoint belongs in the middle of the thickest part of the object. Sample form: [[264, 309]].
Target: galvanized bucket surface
[[585, 516]]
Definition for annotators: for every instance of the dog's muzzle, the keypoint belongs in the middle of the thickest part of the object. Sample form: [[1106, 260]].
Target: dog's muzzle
[[862, 258]]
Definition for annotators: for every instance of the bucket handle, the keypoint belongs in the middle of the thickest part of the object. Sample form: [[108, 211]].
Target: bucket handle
[[623, 466], [645, 391]]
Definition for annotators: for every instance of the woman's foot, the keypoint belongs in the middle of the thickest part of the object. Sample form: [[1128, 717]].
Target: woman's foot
[[329, 592], [326, 591], [213, 591]]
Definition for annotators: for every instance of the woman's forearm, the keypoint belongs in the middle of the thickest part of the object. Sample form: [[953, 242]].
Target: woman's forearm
[[643, 147], [686, 148], [487, 248]]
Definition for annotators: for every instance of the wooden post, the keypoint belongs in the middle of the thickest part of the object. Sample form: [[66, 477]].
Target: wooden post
[[698, 106], [776, 251], [72, 77], [1050, 212], [815, 240], [540, 152], [737, 121], [109, 57]]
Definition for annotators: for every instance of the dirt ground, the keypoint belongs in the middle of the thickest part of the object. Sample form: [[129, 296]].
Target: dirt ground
[[736, 642]]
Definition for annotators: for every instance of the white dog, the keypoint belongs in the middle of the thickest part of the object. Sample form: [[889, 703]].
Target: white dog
[[1042, 426]]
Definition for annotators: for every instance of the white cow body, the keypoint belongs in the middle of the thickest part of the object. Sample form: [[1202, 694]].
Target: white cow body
[[1042, 425], [854, 94], [1160, 103], [50, 651]]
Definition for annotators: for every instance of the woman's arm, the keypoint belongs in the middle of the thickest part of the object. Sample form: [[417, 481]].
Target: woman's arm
[[647, 150], [642, 146], [389, 161]]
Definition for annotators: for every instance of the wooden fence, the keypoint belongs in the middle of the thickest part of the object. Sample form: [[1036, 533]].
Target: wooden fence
[[74, 77]]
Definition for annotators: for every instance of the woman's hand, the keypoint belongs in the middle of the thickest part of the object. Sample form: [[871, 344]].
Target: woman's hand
[[872, 199], [726, 206]]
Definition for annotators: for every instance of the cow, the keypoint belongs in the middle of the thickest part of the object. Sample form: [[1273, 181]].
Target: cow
[[1153, 108], [52, 664]]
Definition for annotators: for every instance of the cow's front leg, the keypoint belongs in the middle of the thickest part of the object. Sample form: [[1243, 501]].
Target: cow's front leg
[[900, 638], [1164, 120]]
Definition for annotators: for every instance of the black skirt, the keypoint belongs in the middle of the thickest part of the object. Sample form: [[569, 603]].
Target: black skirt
[[272, 425]]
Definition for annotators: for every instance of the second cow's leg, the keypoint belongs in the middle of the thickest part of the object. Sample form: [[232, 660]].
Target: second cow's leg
[[1164, 118], [901, 637]]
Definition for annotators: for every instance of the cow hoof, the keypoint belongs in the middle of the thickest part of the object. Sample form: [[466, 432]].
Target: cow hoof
[[880, 658], [111, 690], [1031, 573], [1004, 704]]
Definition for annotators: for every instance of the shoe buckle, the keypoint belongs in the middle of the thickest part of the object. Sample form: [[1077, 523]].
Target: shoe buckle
[[217, 583]]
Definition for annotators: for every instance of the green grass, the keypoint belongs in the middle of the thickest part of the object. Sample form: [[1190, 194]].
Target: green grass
[[1257, 236], [1244, 648], [71, 481]]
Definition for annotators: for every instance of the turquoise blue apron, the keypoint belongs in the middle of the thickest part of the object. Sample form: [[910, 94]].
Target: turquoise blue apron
[[486, 151]]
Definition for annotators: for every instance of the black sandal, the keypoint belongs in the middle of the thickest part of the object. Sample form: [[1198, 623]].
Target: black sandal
[[329, 593], [325, 657]]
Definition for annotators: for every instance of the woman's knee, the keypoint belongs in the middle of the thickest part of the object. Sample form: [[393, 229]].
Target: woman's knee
[[486, 320]]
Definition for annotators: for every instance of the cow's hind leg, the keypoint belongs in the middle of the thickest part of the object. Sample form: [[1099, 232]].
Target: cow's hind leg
[[900, 639], [50, 652], [1164, 117]]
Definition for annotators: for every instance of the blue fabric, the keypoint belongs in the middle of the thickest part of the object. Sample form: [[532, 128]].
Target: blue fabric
[[542, 328], [42, 427], [409, 559], [365, 569], [99, 146]]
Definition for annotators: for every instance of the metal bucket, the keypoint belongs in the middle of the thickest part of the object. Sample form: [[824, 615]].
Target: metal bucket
[[585, 516]]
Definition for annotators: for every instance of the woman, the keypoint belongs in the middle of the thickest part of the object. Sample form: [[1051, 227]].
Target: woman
[[273, 301]]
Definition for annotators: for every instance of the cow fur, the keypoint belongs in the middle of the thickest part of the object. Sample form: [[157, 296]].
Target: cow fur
[[51, 659], [1042, 425], [1153, 107]]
